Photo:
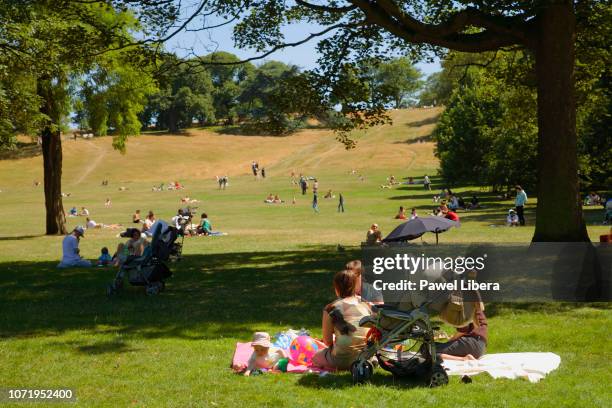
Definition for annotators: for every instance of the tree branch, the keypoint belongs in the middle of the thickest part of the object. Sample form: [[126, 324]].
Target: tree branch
[[499, 31], [329, 9]]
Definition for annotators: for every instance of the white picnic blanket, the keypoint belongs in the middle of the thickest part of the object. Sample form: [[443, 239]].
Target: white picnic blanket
[[533, 366]]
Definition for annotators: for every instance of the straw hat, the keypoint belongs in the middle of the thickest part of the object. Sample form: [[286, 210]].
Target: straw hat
[[261, 339]]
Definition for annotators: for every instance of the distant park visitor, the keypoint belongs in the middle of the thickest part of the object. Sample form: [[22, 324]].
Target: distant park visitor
[[70, 250], [512, 220], [451, 215], [303, 184], [315, 202], [374, 235], [340, 203], [147, 226], [427, 183], [401, 214], [413, 214], [519, 203], [136, 217]]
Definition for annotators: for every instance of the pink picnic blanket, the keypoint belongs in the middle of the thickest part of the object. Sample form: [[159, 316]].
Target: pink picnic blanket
[[243, 353]]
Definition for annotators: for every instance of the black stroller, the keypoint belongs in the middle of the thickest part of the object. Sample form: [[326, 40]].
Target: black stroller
[[149, 270], [401, 336]]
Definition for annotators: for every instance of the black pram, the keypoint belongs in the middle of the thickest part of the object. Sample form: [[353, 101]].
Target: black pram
[[150, 269]]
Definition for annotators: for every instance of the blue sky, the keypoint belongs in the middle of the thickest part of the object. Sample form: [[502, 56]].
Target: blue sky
[[220, 39]]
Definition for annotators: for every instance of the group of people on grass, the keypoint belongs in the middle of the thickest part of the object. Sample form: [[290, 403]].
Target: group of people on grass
[[138, 237], [343, 339]]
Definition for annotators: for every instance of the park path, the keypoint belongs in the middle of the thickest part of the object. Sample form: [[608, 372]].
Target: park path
[[92, 164]]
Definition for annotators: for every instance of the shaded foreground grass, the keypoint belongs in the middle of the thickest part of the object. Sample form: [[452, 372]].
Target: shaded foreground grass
[[58, 329]]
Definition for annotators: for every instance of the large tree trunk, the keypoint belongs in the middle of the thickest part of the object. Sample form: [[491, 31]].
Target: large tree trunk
[[559, 214], [52, 162]]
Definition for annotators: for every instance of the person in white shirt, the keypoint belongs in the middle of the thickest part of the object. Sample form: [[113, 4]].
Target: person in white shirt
[[84, 212], [70, 250], [92, 224], [147, 228], [426, 182]]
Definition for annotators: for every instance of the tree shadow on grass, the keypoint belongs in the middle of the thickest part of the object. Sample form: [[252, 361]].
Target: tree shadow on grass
[[343, 379], [210, 296], [19, 237]]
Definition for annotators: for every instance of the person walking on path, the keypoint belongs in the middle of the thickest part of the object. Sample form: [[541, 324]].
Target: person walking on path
[[519, 203], [427, 183], [315, 202], [303, 185], [263, 172], [340, 203]]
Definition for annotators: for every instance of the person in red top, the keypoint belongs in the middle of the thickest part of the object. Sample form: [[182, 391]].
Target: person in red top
[[469, 343], [451, 215]]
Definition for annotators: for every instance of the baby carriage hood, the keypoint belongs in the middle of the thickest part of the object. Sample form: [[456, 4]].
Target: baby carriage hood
[[163, 239], [448, 305]]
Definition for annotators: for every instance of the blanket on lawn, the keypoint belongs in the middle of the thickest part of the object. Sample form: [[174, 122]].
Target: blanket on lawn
[[532, 366], [243, 353]]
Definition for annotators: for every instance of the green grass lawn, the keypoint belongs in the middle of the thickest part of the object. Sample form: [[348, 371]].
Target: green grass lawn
[[273, 271]]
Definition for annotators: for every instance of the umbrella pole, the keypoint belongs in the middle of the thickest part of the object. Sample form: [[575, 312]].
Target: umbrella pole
[[436, 237]]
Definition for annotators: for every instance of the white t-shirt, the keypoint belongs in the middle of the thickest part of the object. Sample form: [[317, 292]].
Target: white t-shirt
[[85, 211], [70, 246], [148, 224], [91, 224]]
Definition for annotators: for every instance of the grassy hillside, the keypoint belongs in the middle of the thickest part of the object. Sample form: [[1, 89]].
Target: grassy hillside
[[273, 271]]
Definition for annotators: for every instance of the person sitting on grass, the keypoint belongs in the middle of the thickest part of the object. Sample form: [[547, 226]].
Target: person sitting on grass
[[374, 236], [453, 202], [443, 206], [342, 335], [133, 248], [205, 227], [474, 203], [413, 214], [105, 259], [329, 194], [84, 212], [269, 199], [277, 199], [264, 356], [70, 250], [512, 220], [364, 290], [451, 215], [73, 212], [470, 342], [401, 215], [136, 217], [147, 227]]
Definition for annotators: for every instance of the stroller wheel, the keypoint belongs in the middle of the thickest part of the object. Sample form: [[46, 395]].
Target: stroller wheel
[[438, 376], [361, 371]]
